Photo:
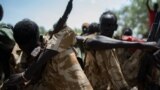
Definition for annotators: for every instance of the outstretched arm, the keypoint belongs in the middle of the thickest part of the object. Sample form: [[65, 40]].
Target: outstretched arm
[[147, 4], [61, 22], [103, 42]]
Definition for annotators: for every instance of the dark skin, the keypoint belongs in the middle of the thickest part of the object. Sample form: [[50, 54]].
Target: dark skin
[[108, 24], [6, 46], [155, 6], [1, 12], [101, 42], [104, 41], [61, 22], [37, 66], [28, 48]]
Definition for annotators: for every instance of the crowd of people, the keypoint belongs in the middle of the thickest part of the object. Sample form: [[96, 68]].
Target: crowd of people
[[62, 60]]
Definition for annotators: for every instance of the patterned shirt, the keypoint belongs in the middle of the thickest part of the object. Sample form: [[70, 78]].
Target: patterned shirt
[[103, 70], [63, 72]]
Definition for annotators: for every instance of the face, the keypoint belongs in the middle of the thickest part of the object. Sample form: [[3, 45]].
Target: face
[[27, 47], [107, 28], [108, 24]]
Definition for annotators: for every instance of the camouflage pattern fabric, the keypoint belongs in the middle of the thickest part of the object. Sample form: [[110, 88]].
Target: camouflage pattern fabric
[[130, 67], [62, 40], [103, 70], [63, 72], [123, 55]]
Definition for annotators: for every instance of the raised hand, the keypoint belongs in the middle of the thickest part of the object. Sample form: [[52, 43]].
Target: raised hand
[[68, 8]]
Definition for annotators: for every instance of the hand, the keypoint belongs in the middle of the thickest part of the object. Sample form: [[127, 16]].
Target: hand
[[68, 8], [14, 80]]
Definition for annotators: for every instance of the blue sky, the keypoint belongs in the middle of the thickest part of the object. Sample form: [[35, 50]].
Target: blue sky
[[47, 12]]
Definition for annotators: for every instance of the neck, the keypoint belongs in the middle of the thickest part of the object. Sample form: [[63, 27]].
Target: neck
[[105, 34], [31, 48]]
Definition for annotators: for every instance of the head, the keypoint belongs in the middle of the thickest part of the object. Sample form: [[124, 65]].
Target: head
[[127, 32], [155, 6], [93, 28], [1, 12], [85, 27], [26, 34], [108, 23]]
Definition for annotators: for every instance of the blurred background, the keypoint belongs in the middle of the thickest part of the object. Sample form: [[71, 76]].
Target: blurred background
[[130, 13]]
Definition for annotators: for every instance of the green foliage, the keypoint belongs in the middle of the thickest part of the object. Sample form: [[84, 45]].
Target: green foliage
[[77, 31], [42, 30], [135, 16]]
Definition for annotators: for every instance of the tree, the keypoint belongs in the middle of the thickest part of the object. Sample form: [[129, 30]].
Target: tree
[[77, 31], [42, 30], [135, 16]]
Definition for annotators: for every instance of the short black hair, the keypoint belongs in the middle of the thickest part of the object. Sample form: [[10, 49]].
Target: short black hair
[[108, 21], [25, 31], [93, 27], [1, 12], [127, 31], [108, 16]]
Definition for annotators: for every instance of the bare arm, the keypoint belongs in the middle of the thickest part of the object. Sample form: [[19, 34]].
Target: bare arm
[[61, 22], [147, 4], [103, 42]]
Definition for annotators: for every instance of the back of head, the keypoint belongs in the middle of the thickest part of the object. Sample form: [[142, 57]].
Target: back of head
[[85, 27], [26, 31], [155, 6], [93, 28], [108, 22], [127, 32], [1, 12]]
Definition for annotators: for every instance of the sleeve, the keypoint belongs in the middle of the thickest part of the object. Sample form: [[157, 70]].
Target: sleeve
[[62, 40]]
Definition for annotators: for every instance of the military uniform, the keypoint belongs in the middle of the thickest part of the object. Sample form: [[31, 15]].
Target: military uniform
[[6, 40], [63, 72], [6, 45], [130, 67], [103, 70]]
